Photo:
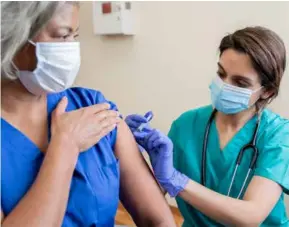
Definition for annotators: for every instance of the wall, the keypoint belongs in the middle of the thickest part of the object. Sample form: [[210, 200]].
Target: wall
[[167, 66]]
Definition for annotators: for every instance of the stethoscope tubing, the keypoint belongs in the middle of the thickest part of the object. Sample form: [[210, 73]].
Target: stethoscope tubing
[[250, 145]]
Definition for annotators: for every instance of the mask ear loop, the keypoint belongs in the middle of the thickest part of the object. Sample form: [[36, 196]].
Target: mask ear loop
[[261, 108], [258, 89], [16, 70], [14, 66], [33, 43]]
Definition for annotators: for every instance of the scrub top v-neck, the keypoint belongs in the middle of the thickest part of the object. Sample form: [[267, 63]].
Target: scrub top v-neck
[[94, 192], [187, 134]]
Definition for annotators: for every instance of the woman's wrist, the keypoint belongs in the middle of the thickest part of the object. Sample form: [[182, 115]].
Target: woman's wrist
[[175, 184], [63, 144]]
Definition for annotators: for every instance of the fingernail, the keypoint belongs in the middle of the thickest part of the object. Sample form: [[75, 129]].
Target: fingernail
[[108, 105]]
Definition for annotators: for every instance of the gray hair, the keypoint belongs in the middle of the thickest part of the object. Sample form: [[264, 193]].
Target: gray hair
[[21, 21]]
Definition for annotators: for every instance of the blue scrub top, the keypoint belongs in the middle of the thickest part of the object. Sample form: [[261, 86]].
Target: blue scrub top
[[94, 191], [187, 134]]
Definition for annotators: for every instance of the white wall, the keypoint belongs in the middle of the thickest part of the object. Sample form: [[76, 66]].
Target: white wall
[[167, 66]]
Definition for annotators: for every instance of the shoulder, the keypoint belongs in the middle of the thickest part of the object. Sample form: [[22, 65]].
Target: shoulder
[[269, 117], [273, 145], [81, 97], [90, 95], [274, 128]]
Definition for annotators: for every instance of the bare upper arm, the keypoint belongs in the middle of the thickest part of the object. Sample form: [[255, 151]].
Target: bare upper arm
[[2, 216], [264, 194], [139, 192]]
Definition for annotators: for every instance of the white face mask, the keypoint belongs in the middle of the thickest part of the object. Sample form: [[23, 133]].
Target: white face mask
[[57, 67]]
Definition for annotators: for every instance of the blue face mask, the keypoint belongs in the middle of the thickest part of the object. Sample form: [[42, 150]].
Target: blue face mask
[[230, 99]]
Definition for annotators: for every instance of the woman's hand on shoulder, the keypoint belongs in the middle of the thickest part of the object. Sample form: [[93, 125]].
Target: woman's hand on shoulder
[[83, 127]]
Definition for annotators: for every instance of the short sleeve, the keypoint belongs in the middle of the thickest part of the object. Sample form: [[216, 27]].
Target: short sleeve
[[273, 160], [172, 132], [82, 97]]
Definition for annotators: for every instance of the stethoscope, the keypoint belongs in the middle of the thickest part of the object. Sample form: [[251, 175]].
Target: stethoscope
[[250, 145]]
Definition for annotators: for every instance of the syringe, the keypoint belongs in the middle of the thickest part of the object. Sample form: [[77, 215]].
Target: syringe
[[148, 116]]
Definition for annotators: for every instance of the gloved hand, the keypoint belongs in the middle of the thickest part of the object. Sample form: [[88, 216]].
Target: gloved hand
[[134, 121], [160, 150]]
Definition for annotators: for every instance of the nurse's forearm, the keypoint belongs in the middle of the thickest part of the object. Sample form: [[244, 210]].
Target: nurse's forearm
[[223, 209], [45, 202]]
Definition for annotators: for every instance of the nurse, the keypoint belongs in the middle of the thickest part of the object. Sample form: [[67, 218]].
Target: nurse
[[197, 163], [66, 156]]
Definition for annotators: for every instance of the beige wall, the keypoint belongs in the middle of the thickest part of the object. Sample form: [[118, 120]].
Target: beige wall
[[167, 66]]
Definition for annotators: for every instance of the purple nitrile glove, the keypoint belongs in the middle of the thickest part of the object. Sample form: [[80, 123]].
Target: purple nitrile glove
[[139, 123], [160, 150], [134, 121]]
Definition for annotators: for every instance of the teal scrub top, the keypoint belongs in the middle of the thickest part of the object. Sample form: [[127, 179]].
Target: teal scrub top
[[187, 134]]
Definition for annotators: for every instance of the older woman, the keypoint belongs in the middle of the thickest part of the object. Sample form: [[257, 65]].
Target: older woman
[[66, 154]]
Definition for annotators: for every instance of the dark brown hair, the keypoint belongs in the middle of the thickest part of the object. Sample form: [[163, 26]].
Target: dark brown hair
[[267, 53]]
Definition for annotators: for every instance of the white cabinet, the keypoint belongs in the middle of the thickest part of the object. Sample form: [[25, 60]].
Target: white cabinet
[[112, 18]]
